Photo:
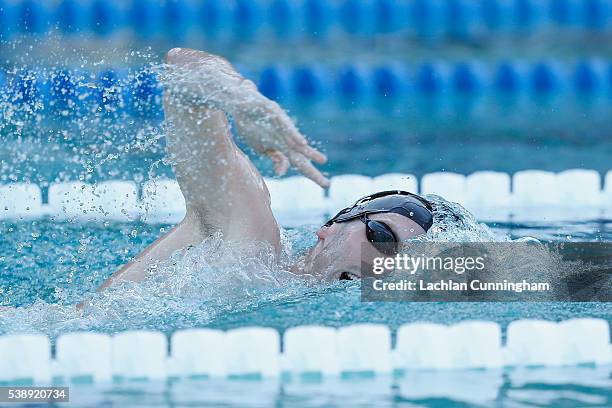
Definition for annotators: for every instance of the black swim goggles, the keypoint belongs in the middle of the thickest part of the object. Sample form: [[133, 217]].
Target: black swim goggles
[[400, 202]]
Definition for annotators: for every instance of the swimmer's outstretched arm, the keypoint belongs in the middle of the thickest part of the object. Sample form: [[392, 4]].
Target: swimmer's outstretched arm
[[223, 190]]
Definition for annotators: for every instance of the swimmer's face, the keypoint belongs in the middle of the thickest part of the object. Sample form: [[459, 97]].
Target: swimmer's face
[[339, 247]]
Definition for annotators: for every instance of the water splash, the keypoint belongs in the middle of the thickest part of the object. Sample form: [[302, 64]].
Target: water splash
[[205, 284], [60, 99], [453, 223], [194, 286], [87, 133]]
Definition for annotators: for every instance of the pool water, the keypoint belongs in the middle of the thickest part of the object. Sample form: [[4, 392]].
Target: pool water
[[566, 387], [49, 266], [403, 138]]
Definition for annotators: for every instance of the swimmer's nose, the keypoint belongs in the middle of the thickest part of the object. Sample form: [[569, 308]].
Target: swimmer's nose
[[323, 232]]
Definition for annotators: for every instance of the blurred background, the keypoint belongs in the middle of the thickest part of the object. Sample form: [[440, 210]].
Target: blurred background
[[411, 86]]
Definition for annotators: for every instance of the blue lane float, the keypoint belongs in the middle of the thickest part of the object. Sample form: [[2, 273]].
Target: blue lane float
[[138, 92], [26, 87], [351, 83], [33, 17], [145, 17], [63, 92], [146, 95], [508, 78], [105, 17], [545, 79], [461, 18], [246, 19], [111, 93], [589, 77], [426, 17], [387, 82], [308, 83], [597, 14], [69, 16], [178, 18], [282, 16], [271, 83], [466, 78], [318, 17], [430, 79]]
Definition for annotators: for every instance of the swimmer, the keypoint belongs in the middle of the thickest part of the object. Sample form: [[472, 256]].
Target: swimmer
[[225, 193]]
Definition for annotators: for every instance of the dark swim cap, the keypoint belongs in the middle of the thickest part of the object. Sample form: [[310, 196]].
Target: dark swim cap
[[400, 202]]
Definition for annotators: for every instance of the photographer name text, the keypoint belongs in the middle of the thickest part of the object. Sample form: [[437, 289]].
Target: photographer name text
[[450, 285]]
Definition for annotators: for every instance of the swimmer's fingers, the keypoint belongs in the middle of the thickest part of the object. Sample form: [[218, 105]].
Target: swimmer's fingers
[[314, 154], [304, 166], [274, 131], [298, 142], [281, 163]]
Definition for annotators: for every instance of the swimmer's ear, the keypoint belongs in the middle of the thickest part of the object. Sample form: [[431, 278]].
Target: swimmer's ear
[[281, 163]]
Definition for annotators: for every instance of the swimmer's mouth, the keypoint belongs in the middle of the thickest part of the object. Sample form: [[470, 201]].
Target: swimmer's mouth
[[349, 276]]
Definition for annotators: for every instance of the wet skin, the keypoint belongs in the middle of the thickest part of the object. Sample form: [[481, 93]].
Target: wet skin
[[339, 246]]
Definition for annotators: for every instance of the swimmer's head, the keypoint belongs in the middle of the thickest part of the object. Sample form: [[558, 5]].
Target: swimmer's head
[[382, 220]]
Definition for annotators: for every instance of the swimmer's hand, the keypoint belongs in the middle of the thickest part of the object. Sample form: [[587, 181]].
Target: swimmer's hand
[[267, 128], [197, 77]]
